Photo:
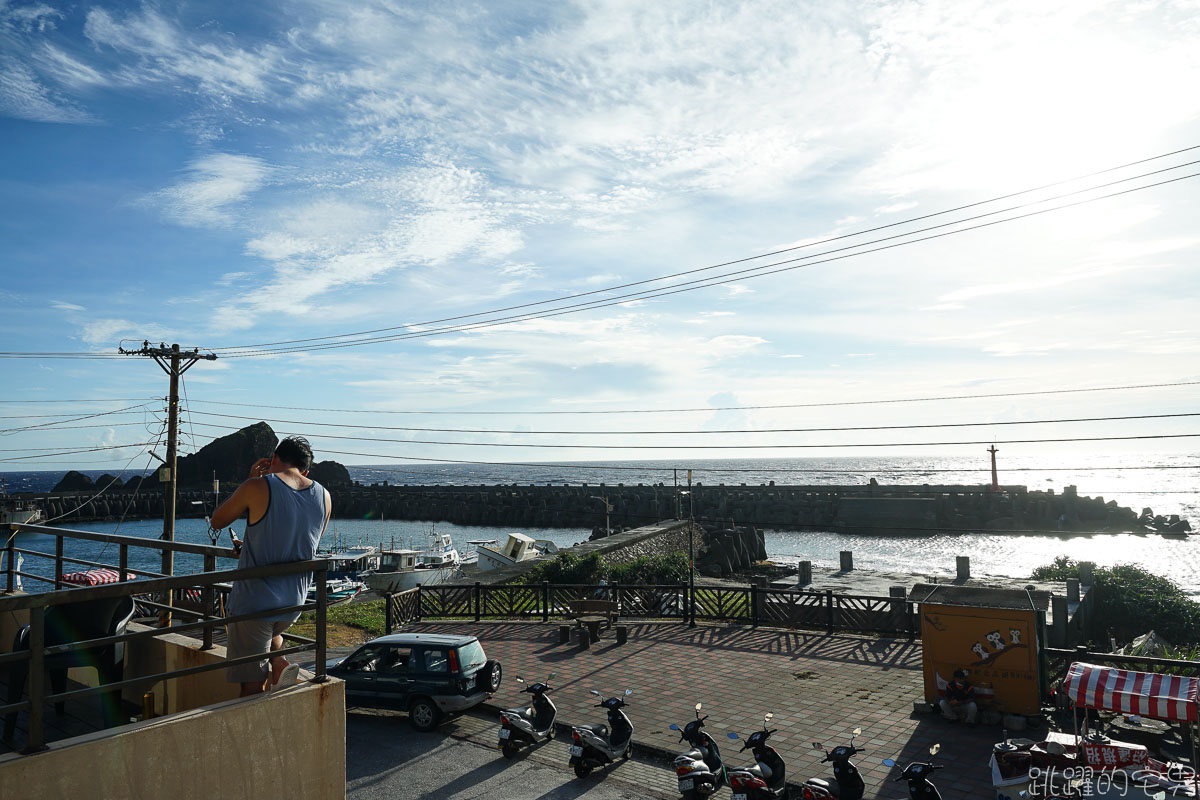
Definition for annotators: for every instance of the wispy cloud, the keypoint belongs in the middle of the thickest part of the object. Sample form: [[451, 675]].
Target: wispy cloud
[[64, 306], [214, 184]]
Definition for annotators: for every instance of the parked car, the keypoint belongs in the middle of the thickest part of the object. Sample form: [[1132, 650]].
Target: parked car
[[430, 675]]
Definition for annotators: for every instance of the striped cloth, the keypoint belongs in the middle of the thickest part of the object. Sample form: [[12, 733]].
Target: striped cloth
[[1148, 694], [95, 577]]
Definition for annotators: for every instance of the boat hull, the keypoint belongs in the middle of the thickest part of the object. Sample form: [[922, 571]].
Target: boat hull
[[392, 582]]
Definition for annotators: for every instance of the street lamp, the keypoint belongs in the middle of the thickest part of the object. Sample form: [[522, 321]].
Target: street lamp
[[608, 507]]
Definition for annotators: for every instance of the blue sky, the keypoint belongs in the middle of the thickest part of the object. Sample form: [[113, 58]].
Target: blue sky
[[221, 174]]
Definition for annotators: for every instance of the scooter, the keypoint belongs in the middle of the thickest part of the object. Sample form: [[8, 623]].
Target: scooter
[[765, 779], [594, 745], [848, 784], [520, 727], [917, 774], [701, 771]]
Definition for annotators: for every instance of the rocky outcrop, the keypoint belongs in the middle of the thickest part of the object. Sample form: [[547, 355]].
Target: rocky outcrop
[[229, 458], [731, 550], [73, 482], [330, 473]]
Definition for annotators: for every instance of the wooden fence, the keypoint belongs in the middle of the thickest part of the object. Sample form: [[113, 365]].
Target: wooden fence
[[752, 605]]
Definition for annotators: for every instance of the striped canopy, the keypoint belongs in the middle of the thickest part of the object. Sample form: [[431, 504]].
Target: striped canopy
[[1147, 694], [94, 577]]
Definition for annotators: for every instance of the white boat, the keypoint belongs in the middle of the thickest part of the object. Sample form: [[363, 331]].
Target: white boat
[[518, 547], [352, 562], [338, 590], [402, 569], [471, 555], [15, 511]]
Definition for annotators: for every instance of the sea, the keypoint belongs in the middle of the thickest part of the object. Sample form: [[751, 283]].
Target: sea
[[1166, 483]]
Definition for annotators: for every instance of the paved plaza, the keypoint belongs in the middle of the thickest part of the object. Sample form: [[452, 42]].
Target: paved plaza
[[820, 687]]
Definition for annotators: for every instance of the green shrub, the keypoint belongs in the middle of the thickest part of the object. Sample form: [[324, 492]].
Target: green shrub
[[1131, 601], [566, 568], [651, 570], [569, 568]]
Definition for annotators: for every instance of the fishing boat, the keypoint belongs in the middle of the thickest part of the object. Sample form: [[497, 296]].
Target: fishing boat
[[338, 590], [471, 555], [351, 562], [402, 569], [13, 510], [518, 547]]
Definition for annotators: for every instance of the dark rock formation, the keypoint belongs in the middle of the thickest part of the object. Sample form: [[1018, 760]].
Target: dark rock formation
[[330, 473], [229, 457], [73, 482], [110, 481]]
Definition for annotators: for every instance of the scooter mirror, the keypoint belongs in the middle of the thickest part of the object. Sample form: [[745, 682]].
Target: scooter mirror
[[593, 691], [887, 762], [856, 732], [1160, 796], [818, 746], [732, 735], [767, 717], [553, 675], [933, 751], [673, 727], [628, 692], [699, 706], [519, 679]]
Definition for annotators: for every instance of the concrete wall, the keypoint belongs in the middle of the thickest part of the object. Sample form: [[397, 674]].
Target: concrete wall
[[287, 744]]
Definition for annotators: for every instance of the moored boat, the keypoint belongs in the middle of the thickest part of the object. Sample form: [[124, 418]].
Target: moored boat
[[518, 547]]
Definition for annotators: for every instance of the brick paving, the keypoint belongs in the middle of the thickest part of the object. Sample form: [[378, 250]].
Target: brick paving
[[820, 687]]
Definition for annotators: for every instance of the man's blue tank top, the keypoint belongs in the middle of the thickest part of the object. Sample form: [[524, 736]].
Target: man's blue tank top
[[288, 531]]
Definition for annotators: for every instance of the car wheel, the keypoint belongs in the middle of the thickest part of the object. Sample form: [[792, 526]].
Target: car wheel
[[491, 674], [510, 749], [582, 770], [423, 714]]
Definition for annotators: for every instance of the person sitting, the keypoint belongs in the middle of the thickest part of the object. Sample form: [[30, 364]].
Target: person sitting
[[959, 699]]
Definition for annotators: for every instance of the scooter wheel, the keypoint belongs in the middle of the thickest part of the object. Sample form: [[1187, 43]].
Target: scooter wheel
[[510, 749], [582, 770], [628, 754]]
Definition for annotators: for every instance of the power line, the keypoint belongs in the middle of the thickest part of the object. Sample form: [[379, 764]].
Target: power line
[[710, 409], [127, 409], [70, 452], [688, 286], [709, 432], [85, 400], [759, 256]]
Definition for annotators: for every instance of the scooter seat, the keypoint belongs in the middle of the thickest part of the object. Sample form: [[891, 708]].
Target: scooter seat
[[600, 730], [524, 713], [820, 783]]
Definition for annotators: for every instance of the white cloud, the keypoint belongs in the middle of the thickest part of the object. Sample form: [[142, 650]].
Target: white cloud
[[64, 306], [23, 96], [214, 184], [895, 208]]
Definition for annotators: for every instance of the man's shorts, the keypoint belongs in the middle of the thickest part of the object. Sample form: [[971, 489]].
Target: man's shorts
[[247, 638]]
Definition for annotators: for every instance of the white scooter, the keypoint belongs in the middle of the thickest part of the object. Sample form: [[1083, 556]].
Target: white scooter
[[528, 725], [595, 745]]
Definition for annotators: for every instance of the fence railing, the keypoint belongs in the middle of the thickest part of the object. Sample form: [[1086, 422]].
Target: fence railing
[[207, 583], [1059, 660], [753, 605]]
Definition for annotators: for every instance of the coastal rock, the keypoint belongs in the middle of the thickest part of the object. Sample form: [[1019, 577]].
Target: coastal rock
[[228, 458], [330, 473], [74, 482]]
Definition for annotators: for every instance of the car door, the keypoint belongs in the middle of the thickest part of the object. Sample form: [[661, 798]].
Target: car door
[[394, 673], [359, 671], [433, 678]]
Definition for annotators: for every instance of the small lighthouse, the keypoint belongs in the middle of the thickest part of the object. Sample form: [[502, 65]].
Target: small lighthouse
[[995, 480]]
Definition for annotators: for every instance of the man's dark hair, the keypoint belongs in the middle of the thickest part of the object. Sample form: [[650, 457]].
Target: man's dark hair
[[295, 451]]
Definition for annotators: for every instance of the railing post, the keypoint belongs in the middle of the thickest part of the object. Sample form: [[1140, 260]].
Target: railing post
[[208, 597], [478, 600], [37, 677], [417, 610], [123, 563], [755, 597], [829, 609], [322, 602], [58, 562], [545, 601], [389, 623], [691, 605], [683, 592], [10, 567]]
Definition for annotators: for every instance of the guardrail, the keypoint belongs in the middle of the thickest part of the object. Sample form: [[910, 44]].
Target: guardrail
[[753, 605], [207, 582]]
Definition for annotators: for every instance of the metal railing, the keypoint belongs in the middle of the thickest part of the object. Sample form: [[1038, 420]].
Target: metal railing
[[753, 605], [208, 583]]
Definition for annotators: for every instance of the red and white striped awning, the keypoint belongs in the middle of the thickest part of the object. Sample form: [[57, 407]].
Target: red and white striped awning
[[95, 577], [1147, 694]]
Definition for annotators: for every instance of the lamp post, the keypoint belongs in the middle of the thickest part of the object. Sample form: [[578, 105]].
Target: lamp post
[[608, 507]]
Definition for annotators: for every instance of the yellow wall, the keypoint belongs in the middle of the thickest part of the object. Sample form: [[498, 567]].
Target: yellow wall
[[290, 743]]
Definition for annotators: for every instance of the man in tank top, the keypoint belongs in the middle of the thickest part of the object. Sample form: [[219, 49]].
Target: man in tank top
[[286, 513]]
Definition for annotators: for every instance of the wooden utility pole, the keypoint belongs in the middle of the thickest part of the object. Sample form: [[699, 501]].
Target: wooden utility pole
[[174, 362]]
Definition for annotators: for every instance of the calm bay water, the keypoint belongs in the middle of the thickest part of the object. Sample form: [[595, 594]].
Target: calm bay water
[[1168, 484]]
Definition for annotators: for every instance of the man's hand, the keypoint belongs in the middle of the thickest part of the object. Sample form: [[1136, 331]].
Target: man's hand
[[261, 467]]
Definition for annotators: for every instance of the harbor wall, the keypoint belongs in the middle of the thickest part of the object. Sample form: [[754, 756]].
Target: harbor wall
[[869, 508]]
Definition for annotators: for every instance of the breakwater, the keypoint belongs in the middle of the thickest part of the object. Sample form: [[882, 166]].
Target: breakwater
[[863, 508]]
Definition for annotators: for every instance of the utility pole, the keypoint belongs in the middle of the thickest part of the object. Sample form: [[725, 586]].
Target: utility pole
[[691, 553], [608, 507], [174, 362]]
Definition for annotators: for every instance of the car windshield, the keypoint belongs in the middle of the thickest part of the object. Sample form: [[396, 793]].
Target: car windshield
[[471, 655]]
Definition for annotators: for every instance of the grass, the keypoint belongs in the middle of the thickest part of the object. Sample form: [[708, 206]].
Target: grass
[[346, 624]]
